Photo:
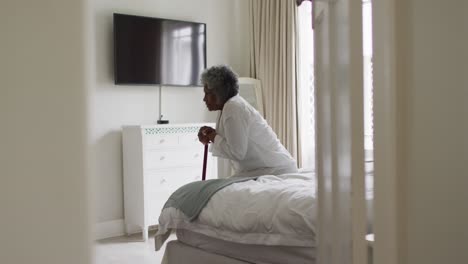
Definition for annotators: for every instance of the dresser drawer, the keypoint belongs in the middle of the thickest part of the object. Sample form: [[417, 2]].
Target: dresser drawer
[[172, 158], [160, 141], [190, 140], [160, 184], [164, 182], [170, 141]]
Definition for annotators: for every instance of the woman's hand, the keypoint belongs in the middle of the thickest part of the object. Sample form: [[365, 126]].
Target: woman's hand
[[206, 134]]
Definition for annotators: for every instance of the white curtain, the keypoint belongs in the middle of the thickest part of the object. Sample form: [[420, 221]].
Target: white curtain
[[273, 62]]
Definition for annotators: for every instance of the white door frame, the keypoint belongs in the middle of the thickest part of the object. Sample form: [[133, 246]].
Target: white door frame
[[339, 132]]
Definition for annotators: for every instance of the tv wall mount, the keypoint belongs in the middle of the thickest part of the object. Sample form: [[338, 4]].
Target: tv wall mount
[[160, 120]]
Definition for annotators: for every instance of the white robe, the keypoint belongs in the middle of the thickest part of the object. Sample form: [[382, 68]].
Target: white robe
[[245, 138]]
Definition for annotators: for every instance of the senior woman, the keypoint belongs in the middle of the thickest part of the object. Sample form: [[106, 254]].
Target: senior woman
[[242, 135]]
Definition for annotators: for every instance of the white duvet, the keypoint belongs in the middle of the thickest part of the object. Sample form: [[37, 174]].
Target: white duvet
[[273, 210]]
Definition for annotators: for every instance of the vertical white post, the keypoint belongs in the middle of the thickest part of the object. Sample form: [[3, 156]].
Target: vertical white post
[[339, 132]]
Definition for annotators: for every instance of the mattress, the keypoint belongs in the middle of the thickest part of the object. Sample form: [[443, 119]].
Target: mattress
[[246, 252]]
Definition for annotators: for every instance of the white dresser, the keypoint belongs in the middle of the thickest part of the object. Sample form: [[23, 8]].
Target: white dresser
[[157, 160]]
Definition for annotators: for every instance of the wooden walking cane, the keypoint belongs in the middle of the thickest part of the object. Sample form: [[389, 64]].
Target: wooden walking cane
[[205, 157]]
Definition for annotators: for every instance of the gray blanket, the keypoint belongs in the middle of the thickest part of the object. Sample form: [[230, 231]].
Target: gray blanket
[[192, 198]]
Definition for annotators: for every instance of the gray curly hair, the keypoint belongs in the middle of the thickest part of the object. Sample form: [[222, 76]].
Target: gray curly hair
[[222, 81]]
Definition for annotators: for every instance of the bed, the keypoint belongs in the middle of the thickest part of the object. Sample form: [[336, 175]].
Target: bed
[[267, 220]]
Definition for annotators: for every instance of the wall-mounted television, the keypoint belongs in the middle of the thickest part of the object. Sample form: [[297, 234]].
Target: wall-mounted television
[[153, 51]]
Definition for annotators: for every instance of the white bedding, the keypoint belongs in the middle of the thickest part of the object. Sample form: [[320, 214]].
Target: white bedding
[[273, 210]]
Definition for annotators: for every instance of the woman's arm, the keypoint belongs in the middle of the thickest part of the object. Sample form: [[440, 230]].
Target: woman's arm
[[235, 141]]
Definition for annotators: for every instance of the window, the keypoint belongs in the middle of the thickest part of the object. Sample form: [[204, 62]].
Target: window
[[306, 91], [306, 88], [367, 63]]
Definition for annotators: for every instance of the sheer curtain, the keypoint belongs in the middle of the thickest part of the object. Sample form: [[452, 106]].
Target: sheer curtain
[[273, 62]]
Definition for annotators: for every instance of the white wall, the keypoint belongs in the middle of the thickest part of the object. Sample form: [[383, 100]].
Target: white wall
[[431, 65], [43, 170], [113, 106], [435, 93]]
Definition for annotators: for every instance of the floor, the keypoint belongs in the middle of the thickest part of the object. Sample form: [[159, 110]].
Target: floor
[[128, 250]]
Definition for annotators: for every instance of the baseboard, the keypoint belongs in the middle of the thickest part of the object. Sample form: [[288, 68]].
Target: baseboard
[[115, 228], [109, 229]]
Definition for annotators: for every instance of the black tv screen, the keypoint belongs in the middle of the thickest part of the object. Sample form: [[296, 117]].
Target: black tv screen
[[158, 51]]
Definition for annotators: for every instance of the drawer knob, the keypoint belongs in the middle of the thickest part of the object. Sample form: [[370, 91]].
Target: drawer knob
[[196, 155], [161, 141], [162, 158], [163, 181]]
